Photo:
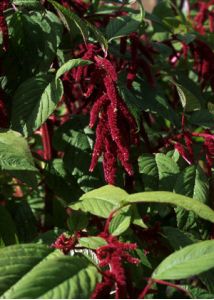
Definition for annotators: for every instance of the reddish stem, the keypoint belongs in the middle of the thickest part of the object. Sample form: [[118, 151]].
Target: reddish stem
[[146, 289], [46, 140]]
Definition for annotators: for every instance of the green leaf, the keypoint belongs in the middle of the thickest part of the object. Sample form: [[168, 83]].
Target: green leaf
[[92, 242], [102, 201], [24, 268], [187, 203], [97, 34], [202, 118], [72, 63], [27, 3], [188, 100], [34, 101], [71, 20], [189, 261], [122, 26], [120, 222], [35, 37], [14, 152], [8, 232], [191, 182], [159, 171], [77, 221]]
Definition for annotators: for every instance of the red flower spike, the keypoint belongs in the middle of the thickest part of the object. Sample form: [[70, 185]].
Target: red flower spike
[[105, 64], [109, 160], [113, 255], [64, 243], [116, 134], [96, 109], [101, 131]]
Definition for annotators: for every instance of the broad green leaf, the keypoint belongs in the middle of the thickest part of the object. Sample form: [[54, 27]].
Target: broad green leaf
[[202, 118], [34, 101], [8, 234], [35, 37], [72, 63], [27, 3], [15, 154], [188, 100], [102, 201], [71, 20], [187, 203], [29, 265], [92, 242], [18, 260], [159, 171], [189, 261], [120, 222], [191, 182]]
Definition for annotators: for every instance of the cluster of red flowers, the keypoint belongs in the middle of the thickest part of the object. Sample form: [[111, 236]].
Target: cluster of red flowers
[[116, 129], [65, 243], [205, 12], [138, 62], [113, 255]]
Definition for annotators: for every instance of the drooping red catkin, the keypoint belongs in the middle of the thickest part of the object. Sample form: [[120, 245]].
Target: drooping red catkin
[[110, 160], [100, 102], [3, 25], [101, 131], [98, 93]]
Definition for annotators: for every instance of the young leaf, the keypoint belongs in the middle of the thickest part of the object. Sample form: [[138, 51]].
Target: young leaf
[[188, 100], [120, 222], [92, 242], [189, 261], [34, 101], [23, 269]]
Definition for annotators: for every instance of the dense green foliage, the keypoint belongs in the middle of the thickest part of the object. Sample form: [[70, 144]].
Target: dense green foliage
[[106, 149]]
